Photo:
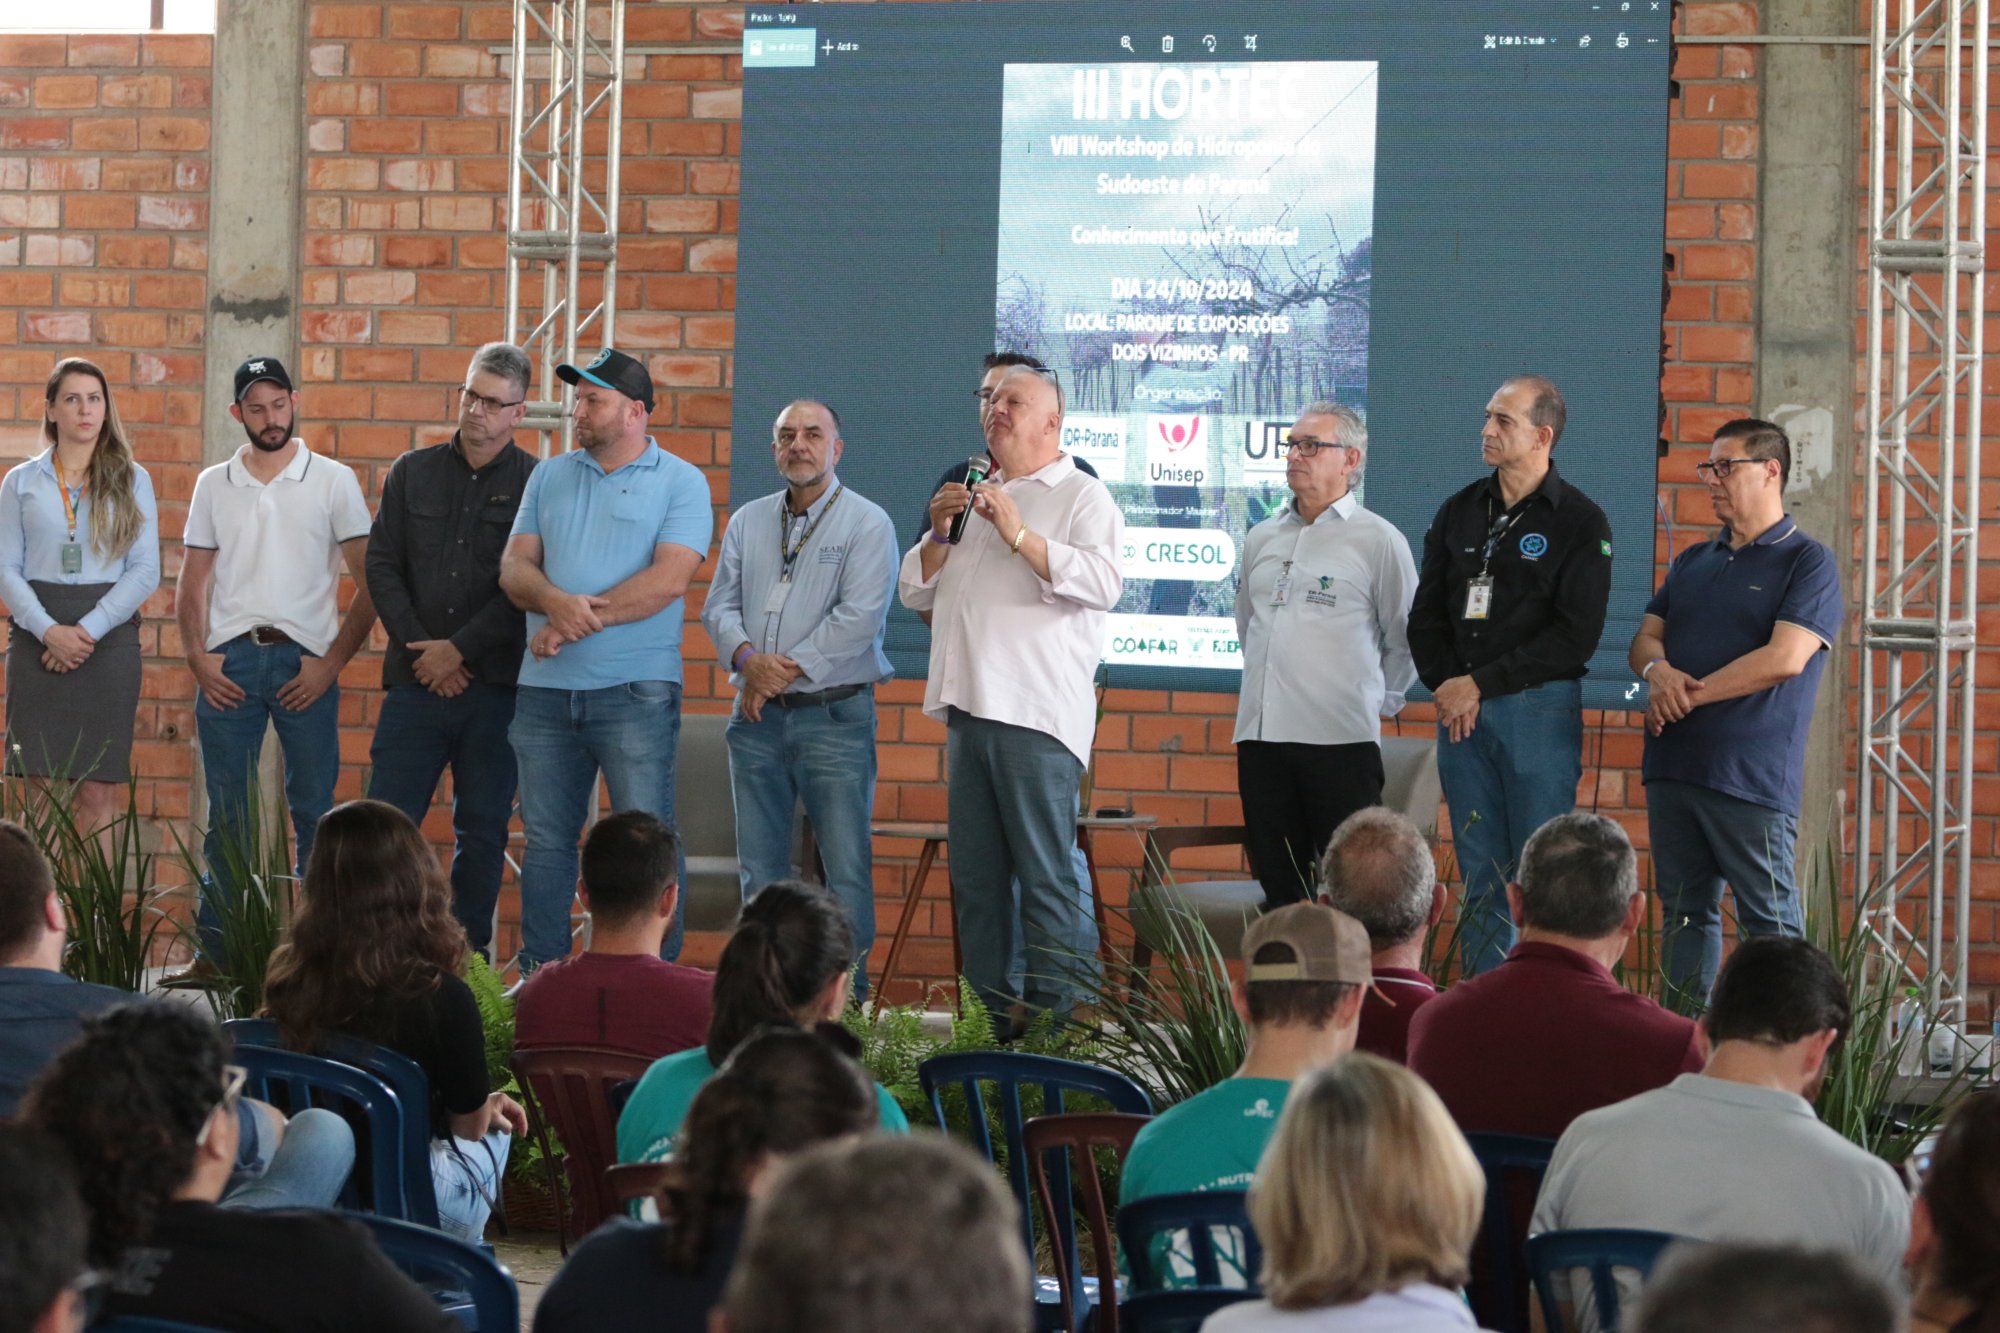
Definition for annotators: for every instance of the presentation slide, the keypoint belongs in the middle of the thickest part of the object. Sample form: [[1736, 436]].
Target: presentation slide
[[1207, 217]]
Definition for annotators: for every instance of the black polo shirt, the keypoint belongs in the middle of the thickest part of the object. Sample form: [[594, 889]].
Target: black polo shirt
[[1551, 570], [434, 559]]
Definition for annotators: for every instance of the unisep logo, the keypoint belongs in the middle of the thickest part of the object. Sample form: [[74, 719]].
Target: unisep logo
[[1178, 433], [1534, 545], [1177, 449]]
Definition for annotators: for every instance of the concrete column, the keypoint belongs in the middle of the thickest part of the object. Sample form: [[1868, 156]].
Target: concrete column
[[1811, 137]]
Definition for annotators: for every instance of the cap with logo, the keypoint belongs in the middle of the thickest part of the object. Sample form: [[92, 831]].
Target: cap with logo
[[1326, 945], [613, 370], [261, 368]]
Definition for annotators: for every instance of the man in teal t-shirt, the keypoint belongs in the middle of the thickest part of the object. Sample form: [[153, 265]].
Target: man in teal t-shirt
[[652, 1118], [1305, 969]]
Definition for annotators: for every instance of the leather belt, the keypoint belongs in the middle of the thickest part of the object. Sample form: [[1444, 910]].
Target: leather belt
[[817, 697], [268, 635]]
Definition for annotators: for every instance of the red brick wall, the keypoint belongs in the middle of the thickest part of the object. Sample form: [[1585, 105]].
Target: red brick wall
[[403, 252]]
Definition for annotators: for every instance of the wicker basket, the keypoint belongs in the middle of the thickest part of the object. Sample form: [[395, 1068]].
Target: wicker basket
[[530, 1203]]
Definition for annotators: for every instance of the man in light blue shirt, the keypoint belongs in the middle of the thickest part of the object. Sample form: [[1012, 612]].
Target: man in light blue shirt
[[797, 607], [603, 546]]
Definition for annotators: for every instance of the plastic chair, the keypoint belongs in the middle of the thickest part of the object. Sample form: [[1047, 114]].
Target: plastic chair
[[632, 1182], [1514, 1166], [1009, 1072], [405, 1078], [1597, 1251], [1080, 1132], [1197, 1216], [620, 1094], [1176, 1311], [293, 1082], [569, 1090], [465, 1279]]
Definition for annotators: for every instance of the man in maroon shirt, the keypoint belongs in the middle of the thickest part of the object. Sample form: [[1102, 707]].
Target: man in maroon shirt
[[1378, 869], [1550, 1034], [619, 992]]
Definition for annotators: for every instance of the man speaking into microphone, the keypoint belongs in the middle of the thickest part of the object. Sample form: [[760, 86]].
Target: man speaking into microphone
[[1017, 609]]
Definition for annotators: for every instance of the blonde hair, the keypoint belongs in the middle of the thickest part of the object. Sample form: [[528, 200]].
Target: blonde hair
[[1367, 1186], [114, 512]]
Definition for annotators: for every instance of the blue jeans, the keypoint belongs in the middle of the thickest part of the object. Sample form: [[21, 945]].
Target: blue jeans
[[419, 733], [563, 739], [305, 1169], [1702, 839], [466, 1175], [1012, 811], [232, 738], [1515, 772], [823, 755]]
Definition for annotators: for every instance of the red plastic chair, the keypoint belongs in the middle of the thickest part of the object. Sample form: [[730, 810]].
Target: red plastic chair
[[1080, 1133], [631, 1182], [568, 1090]]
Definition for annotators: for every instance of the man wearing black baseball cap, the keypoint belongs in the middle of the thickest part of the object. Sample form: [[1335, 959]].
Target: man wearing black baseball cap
[[258, 604], [604, 543]]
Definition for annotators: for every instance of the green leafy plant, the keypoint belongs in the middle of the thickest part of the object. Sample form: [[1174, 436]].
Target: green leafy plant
[[526, 1163], [251, 893], [1172, 1029]]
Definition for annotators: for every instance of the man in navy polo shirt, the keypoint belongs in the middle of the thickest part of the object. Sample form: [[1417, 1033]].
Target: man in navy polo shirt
[[1731, 648], [604, 543]]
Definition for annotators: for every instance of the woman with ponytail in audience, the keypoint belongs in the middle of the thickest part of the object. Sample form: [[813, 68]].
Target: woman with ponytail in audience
[[79, 555], [1955, 1229], [784, 1090], [375, 953], [785, 966]]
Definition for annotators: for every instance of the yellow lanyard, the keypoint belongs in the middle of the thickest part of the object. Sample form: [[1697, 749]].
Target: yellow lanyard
[[69, 506]]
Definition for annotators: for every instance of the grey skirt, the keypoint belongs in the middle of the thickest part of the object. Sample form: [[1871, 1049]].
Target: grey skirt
[[72, 724]]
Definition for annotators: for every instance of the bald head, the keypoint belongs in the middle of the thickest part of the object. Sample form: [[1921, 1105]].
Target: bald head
[[1024, 421]]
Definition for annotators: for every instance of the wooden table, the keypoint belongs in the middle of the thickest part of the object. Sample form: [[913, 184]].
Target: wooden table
[[935, 835]]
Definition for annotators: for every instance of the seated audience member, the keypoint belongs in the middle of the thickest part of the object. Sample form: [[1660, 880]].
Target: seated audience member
[[302, 1162], [1762, 1289], [1305, 967], [620, 992], [1954, 1255], [44, 1280], [1549, 1034], [143, 1103], [1735, 1153], [1366, 1205], [376, 953], [783, 1091], [881, 1235], [785, 966], [1378, 869]]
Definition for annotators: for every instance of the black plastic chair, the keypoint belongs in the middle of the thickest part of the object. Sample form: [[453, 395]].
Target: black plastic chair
[[1175, 1311], [1194, 1217], [465, 1279], [1008, 1072], [1514, 1165], [1599, 1252]]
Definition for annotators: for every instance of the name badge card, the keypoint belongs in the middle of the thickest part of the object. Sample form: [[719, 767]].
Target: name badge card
[[775, 603], [1479, 598]]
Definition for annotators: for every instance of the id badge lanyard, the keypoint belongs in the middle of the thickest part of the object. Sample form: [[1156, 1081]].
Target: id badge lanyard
[[72, 550], [788, 555], [1479, 592]]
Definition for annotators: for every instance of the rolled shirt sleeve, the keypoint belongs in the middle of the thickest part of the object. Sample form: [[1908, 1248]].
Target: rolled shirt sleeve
[[1085, 569]]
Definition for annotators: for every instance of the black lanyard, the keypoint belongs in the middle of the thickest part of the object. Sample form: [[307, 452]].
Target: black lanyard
[[1496, 528], [789, 553]]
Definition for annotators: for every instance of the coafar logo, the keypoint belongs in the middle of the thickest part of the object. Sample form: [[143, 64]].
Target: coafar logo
[[1534, 545], [1177, 450]]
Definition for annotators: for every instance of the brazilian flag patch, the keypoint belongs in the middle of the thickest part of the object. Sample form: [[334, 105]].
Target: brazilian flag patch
[[1604, 547]]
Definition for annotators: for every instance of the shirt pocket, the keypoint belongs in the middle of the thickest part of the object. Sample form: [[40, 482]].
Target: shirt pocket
[[496, 522], [429, 528], [632, 509]]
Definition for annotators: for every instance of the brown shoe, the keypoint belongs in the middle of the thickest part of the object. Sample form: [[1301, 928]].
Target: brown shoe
[[201, 974]]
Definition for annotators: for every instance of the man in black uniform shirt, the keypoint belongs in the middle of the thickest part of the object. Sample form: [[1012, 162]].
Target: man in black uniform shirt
[[1509, 607]]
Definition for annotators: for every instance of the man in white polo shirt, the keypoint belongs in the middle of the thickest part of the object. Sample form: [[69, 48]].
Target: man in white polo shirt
[[1323, 613], [260, 622]]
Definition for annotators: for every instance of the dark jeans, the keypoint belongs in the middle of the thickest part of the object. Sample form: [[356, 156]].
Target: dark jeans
[[1294, 797], [416, 736]]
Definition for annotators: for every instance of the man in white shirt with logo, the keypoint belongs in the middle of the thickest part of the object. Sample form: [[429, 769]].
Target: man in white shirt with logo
[[1322, 612], [266, 535], [1017, 630]]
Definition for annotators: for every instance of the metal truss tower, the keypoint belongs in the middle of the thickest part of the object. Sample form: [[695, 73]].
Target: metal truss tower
[[1920, 521], [562, 190]]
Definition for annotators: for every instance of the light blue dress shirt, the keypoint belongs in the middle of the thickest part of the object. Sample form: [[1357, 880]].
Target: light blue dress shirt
[[33, 530], [832, 620], [599, 529]]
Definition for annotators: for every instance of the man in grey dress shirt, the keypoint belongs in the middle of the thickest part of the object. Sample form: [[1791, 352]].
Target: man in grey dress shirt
[[797, 607]]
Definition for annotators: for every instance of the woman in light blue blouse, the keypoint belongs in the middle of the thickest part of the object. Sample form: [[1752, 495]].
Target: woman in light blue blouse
[[79, 555]]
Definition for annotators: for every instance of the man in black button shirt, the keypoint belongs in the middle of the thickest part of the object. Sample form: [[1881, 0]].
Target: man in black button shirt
[[1509, 607], [455, 641]]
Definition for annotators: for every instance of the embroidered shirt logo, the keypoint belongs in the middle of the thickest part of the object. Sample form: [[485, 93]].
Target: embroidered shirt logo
[[1534, 545]]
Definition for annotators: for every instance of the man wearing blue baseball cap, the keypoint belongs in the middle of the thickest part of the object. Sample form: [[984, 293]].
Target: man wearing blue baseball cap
[[603, 546]]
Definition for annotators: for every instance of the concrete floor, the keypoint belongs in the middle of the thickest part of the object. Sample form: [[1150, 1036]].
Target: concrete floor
[[532, 1257]]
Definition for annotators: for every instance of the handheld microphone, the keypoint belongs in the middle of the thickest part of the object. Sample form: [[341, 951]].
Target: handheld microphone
[[977, 469]]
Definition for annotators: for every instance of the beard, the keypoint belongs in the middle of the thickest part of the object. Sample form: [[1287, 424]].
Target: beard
[[259, 441]]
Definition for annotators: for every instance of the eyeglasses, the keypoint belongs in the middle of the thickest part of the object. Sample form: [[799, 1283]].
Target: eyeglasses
[[1307, 447], [233, 1079], [479, 402], [1719, 469]]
